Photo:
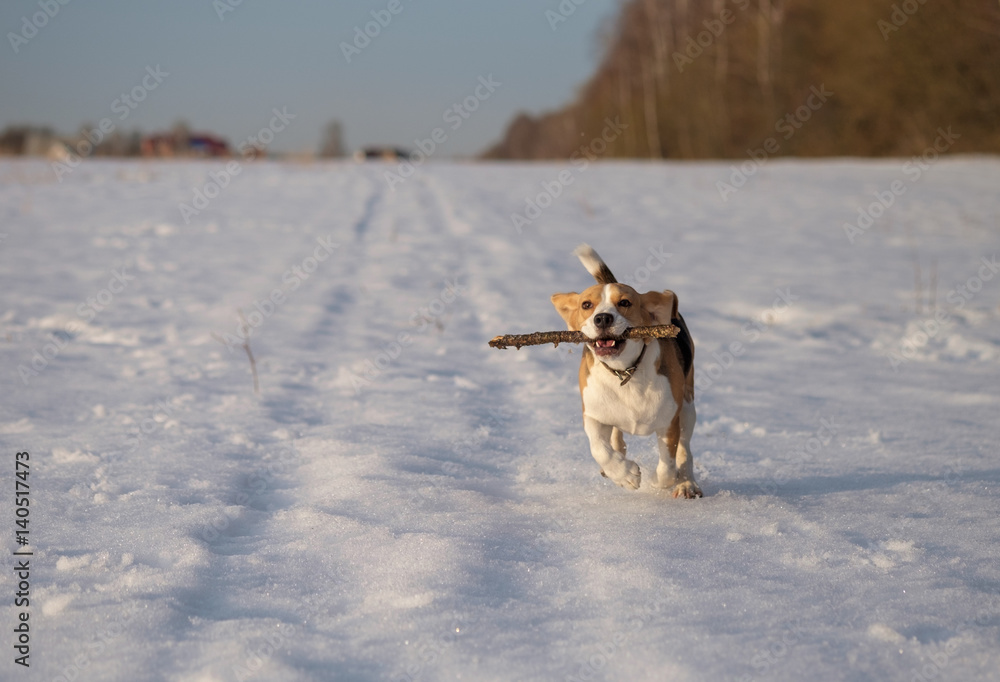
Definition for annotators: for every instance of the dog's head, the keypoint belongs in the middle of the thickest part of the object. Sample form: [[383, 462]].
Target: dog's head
[[603, 313]]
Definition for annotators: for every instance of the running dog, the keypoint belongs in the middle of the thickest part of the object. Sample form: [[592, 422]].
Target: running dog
[[635, 386]]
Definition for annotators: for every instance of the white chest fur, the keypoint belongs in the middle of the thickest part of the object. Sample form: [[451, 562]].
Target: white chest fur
[[643, 406]]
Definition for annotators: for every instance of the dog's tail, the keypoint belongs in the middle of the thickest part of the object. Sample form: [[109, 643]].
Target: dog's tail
[[595, 266]]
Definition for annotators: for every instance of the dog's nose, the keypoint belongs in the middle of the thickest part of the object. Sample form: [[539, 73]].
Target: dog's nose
[[603, 320]]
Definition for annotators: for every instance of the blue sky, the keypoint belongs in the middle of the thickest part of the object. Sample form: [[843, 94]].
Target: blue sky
[[226, 75]]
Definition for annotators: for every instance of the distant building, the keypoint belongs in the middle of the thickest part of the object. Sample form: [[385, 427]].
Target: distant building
[[381, 154], [26, 140], [197, 145]]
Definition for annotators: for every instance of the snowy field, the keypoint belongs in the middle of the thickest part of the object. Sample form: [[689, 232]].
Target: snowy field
[[401, 502]]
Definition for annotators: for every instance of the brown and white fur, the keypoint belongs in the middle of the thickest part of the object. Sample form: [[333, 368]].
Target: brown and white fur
[[659, 396]]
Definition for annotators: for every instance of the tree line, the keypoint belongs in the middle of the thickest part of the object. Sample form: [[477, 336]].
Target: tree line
[[721, 78]]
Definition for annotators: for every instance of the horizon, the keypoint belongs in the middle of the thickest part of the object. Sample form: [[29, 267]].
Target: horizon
[[70, 66]]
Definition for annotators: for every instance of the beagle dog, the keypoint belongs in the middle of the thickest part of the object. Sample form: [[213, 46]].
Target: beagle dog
[[636, 386]]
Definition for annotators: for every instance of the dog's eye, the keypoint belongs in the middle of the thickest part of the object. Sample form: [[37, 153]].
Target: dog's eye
[[624, 303], [586, 305]]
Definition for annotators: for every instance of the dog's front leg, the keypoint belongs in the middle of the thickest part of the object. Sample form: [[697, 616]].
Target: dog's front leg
[[613, 464]]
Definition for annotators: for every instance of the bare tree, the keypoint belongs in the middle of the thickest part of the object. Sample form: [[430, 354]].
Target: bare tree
[[764, 57], [721, 74], [333, 141], [652, 61], [687, 83]]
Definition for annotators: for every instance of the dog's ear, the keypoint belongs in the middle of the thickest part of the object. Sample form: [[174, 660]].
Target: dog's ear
[[566, 305], [661, 306]]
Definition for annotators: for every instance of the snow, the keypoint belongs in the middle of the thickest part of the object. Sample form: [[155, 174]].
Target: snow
[[402, 502]]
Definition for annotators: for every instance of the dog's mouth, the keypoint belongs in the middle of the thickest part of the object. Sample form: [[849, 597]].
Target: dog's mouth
[[606, 348]]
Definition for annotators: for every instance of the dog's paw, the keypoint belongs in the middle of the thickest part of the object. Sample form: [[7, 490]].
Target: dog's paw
[[687, 489], [624, 472]]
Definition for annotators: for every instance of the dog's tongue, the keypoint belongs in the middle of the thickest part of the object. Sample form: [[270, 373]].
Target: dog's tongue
[[605, 343]]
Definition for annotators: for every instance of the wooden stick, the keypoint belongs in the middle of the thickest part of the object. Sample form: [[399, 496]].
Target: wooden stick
[[662, 331]]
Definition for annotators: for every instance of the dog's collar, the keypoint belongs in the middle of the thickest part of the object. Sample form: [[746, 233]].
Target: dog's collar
[[626, 374]]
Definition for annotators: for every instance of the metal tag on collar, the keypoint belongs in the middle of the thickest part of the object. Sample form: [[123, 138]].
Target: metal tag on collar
[[626, 374]]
